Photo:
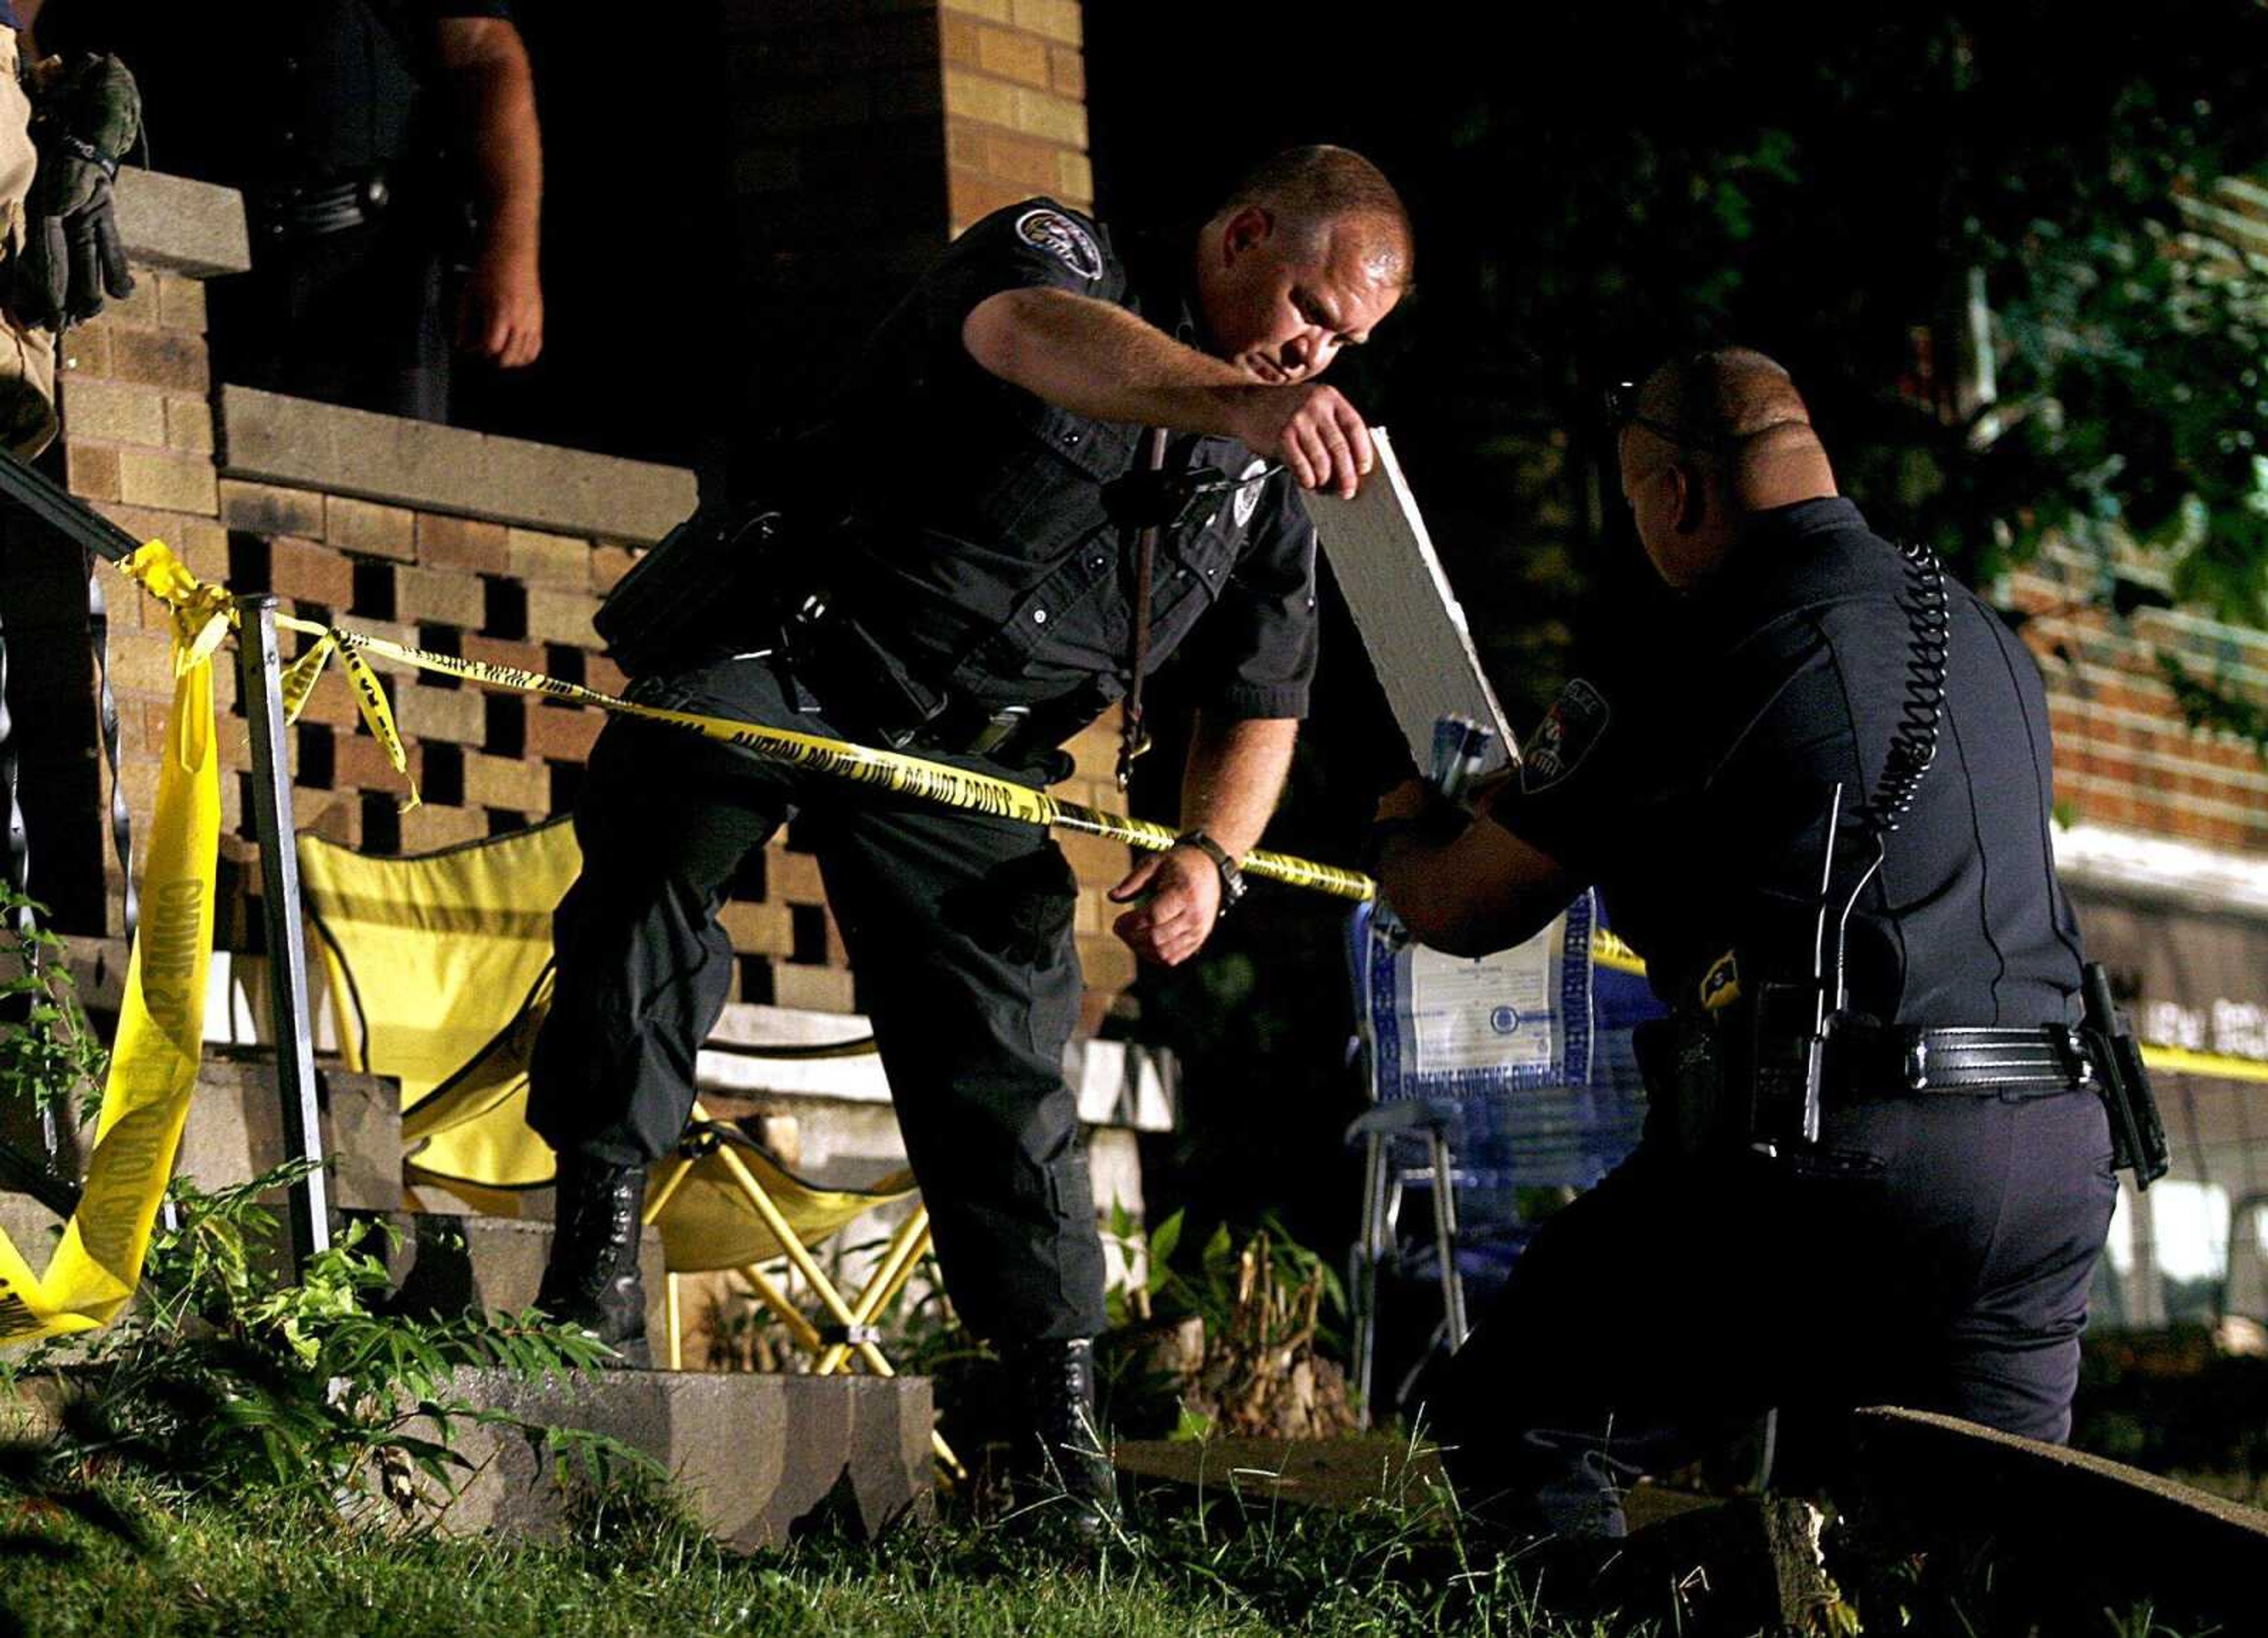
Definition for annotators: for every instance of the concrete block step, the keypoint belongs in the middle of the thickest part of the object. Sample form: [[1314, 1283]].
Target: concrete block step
[[752, 1454], [446, 1262], [30, 1227], [440, 1263], [235, 1130]]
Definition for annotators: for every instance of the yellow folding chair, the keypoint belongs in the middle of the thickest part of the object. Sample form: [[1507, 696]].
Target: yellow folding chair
[[439, 970], [439, 967], [723, 1203]]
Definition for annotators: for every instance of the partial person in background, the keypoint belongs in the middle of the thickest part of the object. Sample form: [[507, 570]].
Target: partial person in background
[[63, 130], [356, 130]]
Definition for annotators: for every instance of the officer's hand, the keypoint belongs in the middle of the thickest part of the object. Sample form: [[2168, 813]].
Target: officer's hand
[[1313, 430], [502, 315], [1180, 901], [90, 115]]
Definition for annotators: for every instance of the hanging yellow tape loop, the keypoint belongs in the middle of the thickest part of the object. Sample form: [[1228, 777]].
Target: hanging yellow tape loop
[[302, 674], [153, 1064], [370, 697], [203, 613]]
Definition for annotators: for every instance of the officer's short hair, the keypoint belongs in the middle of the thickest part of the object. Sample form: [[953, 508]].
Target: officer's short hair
[[1311, 188]]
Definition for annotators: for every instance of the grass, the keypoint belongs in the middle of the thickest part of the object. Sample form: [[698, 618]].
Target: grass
[[1192, 1570]]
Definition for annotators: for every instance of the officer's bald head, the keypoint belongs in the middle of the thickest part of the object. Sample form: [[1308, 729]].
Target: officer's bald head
[[1309, 254], [1319, 193], [1715, 437], [1726, 397]]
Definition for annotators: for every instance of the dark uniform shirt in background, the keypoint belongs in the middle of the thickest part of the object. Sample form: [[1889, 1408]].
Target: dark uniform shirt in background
[[988, 560], [324, 114], [275, 93], [1692, 785]]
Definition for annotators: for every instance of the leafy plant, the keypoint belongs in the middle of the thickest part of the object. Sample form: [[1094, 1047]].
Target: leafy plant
[[1236, 1345], [231, 1377], [51, 1058], [1222, 1278]]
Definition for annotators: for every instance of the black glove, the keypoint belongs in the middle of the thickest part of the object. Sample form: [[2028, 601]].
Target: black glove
[[72, 254]]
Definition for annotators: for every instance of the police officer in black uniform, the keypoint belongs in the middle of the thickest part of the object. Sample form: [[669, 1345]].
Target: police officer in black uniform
[[954, 576], [1924, 1234], [334, 118]]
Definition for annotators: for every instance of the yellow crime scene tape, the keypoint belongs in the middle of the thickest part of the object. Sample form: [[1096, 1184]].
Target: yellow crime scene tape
[[153, 1063], [890, 771]]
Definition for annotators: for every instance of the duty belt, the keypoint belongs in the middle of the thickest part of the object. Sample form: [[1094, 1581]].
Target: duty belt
[[289, 213], [1865, 1062]]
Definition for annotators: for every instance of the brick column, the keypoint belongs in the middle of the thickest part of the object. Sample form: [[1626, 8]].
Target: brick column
[[865, 134], [1015, 105]]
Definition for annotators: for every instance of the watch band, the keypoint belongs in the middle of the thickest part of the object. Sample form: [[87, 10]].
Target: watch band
[[1232, 879]]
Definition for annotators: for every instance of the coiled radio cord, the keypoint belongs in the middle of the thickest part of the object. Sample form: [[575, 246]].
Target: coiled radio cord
[[1913, 745]]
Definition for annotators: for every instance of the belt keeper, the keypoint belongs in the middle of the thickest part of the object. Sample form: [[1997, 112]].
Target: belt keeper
[[1918, 1065], [2081, 1065]]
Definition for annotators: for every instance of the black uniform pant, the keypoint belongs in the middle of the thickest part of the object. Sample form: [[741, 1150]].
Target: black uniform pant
[[352, 317], [958, 925], [1933, 1253]]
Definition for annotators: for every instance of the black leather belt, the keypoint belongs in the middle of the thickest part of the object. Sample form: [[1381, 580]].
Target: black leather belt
[[1866, 1062], [289, 213]]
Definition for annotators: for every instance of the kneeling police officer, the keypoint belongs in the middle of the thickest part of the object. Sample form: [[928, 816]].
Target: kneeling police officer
[[1878, 1163]]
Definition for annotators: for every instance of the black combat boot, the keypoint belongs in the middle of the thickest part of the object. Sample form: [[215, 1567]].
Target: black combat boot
[[591, 1280], [1063, 1473]]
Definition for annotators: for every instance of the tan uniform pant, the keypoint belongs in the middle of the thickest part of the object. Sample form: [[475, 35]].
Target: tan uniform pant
[[27, 355]]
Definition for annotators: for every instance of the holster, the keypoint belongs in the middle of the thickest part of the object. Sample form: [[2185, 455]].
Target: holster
[[697, 588], [862, 685], [2138, 1135], [1690, 1107]]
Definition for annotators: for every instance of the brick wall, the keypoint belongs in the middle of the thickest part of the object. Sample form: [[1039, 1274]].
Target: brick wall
[[2125, 757]]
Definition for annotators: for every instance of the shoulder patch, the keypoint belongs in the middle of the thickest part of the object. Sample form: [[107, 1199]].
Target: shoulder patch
[[1576, 721], [1249, 483], [1062, 238]]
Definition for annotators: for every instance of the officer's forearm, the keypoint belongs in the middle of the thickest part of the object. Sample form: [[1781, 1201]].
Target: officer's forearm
[[1098, 360], [1233, 777], [1485, 890], [495, 91]]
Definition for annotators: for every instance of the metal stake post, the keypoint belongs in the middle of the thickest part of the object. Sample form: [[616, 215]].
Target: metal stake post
[[260, 675]]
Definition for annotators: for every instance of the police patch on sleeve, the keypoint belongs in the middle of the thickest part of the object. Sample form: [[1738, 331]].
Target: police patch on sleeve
[[1063, 238], [1575, 723]]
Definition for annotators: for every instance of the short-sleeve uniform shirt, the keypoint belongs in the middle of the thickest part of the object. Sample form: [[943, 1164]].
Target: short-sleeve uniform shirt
[[985, 552], [1691, 784]]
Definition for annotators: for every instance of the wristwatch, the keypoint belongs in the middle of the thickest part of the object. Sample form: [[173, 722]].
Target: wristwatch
[[1232, 879]]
